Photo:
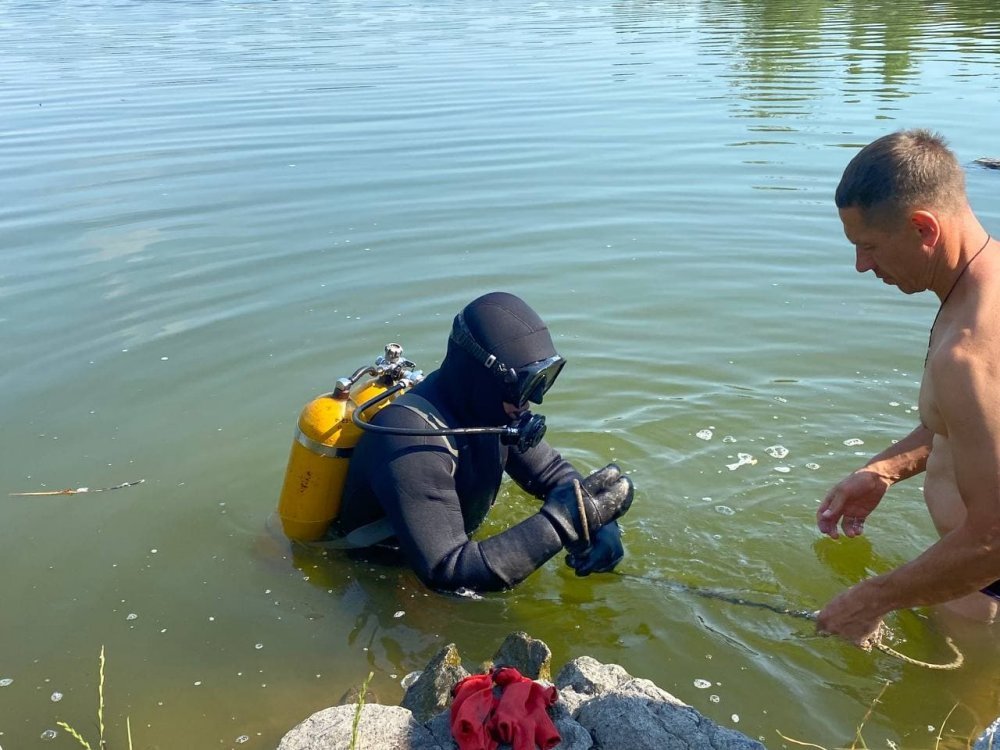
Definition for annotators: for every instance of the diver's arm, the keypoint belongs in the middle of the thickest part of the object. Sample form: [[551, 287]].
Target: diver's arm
[[539, 469], [416, 488]]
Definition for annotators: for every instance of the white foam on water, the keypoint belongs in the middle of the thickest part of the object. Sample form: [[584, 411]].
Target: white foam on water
[[776, 451], [702, 684], [851, 442], [725, 510], [704, 434], [742, 459]]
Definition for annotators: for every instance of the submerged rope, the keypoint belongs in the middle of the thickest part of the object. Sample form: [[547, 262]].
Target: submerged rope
[[955, 663], [876, 641]]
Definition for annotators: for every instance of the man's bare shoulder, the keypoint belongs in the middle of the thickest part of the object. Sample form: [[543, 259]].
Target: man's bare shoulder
[[961, 360], [969, 332], [962, 378]]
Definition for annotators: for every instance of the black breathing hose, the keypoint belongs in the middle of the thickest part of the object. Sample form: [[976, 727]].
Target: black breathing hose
[[526, 433], [510, 431]]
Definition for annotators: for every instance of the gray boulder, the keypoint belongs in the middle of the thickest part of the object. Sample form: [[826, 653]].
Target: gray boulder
[[585, 678], [631, 722], [622, 712], [574, 736], [529, 656], [600, 707], [440, 729], [380, 727], [431, 693]]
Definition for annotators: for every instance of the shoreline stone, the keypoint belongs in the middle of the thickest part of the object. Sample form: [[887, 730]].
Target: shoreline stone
[[600, 707], [431, 693]]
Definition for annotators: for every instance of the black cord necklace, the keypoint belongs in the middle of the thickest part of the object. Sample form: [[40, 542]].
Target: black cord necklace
[[944, 301]]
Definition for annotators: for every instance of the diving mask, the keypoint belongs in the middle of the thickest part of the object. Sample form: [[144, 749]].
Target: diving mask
[[521, 385]]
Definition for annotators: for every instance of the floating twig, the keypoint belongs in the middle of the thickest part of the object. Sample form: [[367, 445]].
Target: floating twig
[[798, 742], [78, 490], [868, 713], [941, 730]]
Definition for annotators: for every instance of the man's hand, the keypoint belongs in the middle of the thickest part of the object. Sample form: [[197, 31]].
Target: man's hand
[[604, 554], [847, 616], [850, 502]]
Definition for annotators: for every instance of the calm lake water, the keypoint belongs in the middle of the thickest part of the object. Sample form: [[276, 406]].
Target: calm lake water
[[211, 211]]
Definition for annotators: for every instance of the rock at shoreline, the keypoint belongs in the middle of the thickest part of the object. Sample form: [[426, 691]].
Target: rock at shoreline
[[529, 656], [380, 727], [431, 693], [600, 707], [620, 711]]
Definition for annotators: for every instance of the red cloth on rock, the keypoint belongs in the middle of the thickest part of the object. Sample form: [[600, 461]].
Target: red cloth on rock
[[471, 708], [480, 719], [520, 718]]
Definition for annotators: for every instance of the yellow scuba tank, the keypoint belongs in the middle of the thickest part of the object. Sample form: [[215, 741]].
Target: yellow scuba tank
[[325, 436]]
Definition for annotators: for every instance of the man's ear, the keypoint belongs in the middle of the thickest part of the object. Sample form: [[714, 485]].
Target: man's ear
[[927, 226]]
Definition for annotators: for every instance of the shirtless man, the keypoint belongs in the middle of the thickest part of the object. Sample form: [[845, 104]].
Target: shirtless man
[[903, 205]]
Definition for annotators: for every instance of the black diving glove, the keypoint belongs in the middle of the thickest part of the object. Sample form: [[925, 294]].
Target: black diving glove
[[605, 553], [604, 496]]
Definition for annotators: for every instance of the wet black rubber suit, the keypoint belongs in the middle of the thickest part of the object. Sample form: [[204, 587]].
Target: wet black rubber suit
[[435, 491]]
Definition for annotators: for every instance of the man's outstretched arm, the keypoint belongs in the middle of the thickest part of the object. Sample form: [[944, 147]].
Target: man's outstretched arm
[[852, 500], [967, 558]]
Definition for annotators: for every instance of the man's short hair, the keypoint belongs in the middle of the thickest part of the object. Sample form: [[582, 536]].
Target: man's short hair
[[901, 172]]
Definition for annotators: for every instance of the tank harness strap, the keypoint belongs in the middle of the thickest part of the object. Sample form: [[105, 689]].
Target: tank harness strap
[[380, 530], [363, 536], [430, 414]]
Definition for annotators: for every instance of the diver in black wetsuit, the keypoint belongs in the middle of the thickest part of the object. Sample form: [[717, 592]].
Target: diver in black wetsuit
[[435, 490]]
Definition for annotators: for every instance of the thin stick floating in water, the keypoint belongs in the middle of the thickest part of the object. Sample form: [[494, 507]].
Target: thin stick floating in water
[[78, 490]]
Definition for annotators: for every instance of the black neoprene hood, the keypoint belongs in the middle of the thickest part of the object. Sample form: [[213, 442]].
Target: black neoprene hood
[[506, 327]]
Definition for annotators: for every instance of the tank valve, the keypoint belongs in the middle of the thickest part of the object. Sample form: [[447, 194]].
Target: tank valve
[[342, 390]]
